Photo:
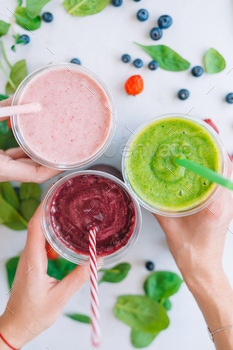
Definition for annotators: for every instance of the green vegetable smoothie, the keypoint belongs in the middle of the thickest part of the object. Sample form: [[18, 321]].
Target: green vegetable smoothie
[[152, 169]]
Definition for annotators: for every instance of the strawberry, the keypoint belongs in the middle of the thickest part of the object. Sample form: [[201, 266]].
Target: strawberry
[[9, 124], [231, 157], [134, 85], [51, 254], [209, 121]]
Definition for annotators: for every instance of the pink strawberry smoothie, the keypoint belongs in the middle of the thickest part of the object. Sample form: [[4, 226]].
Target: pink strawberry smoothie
[[74, 120]]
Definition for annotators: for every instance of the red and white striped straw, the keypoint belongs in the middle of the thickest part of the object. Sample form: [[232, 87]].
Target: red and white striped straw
[[95, 316]]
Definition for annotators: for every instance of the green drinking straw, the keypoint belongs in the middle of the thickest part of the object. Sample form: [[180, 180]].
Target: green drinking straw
[[209, 174]]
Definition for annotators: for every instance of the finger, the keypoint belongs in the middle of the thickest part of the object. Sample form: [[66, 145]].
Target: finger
[[5, 103], [16, 153], [12, 170], [70, 284]]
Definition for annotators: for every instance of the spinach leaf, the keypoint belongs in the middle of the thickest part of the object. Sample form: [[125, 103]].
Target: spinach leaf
[[18, 73], [3, 97], [34, 7], [141, 313], [10, 217], [7, 139], [23, 20], [28, 207], [140, 339], [4, 27], [9, 194], [214, 62], [84, 8], [11, 266], [59, 268], [162, 284], [80, 318], [166, 304], [116, 274], [166, 57], [29, 191], [20, 2]]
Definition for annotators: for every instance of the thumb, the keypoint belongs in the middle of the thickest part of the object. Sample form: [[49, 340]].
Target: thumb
[[70, 284]]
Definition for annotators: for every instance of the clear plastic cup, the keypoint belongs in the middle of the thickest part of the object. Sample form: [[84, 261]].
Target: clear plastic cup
[[70, 254], [190, 210], [22, 142]]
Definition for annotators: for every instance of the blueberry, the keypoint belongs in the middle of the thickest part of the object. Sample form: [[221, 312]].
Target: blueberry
[[25, 38], [150, 265], [156, 33], [138, 63], [142, 15], [183, 94], [47, 17], [126, 58], [197, 71], [229, 97], [76, 61], [164, 21], [117, 3], [16, 190], [137, 0], [153, 65]]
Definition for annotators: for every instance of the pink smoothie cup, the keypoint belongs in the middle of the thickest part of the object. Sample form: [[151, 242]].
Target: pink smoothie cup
[[58, 164]]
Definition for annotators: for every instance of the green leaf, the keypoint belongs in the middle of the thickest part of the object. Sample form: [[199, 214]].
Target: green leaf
[[162, 284], [166, 304], [34, 7], [60, 268], [20, 2], [166, 57], [29, 191], [9, 215], [4, 27], [80, 318], [9, 194], [11, 266], [116, 274], [28, 207], [3, 97], [141, 313], [214, 62], [18, 73], [23, 20], [84, 8], [7, 139], [141, 339]]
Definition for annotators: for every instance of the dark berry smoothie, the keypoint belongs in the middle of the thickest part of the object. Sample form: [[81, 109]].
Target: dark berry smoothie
[[90, 200]]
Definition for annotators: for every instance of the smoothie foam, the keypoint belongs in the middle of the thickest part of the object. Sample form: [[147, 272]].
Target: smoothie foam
[[92, 200], [152, 169], [75, 118]]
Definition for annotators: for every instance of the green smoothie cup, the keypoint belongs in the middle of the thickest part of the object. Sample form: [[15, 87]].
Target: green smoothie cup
[[150, 170]]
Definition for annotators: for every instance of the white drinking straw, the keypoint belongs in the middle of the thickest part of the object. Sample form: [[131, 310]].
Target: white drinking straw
[[20, 109]]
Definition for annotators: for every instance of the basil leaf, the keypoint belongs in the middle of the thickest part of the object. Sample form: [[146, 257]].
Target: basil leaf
[[11, 266], [28, 207], [4, 27], [162, 284], [8, 193], [80, 318], [116, 274], [3, 97], [18, 73], [166, 57], [23, 20], [166, 304], [141, 313], [214, 62], [29, 191], [10, 217], [34, 7], [84, 8], [60, 268], [7, 139], [141, 339]]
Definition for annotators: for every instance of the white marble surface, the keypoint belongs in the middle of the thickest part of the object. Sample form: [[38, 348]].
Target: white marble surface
[[99, 41]]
